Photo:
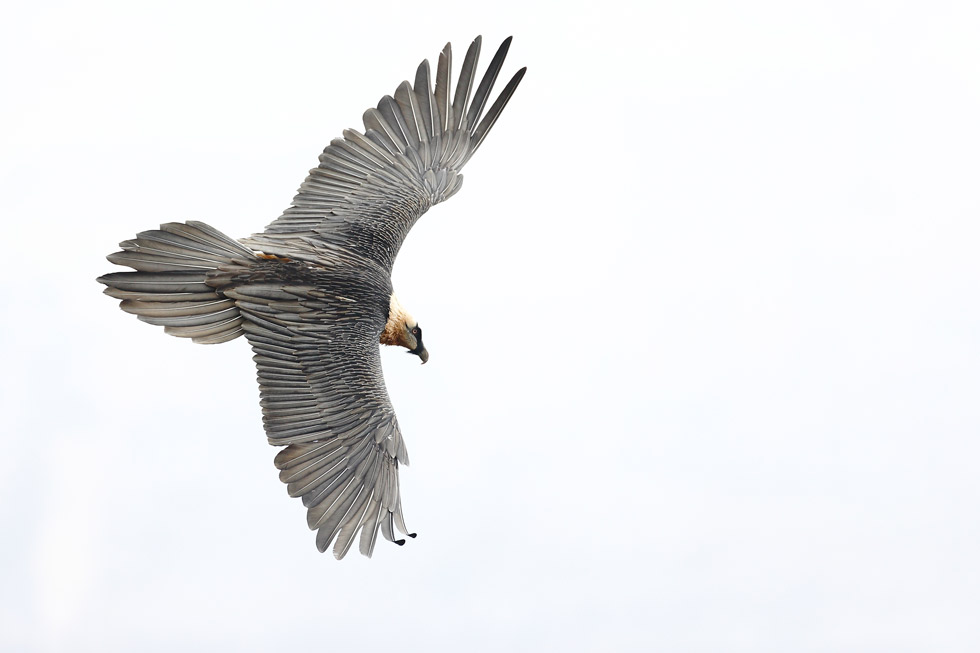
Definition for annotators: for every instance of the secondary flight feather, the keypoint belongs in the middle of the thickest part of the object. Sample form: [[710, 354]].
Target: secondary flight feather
[[313, 295]]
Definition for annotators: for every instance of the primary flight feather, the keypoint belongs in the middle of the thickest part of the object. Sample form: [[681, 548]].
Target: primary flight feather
[[313, 295]]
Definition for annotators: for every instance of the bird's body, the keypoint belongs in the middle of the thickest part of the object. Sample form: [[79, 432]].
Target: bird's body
[[313, 295]]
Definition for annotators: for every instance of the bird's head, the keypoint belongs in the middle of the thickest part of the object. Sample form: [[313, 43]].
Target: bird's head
[[402, 330], [413, 341]]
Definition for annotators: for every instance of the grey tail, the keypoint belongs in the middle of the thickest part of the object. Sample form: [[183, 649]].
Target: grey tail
[[170, 285]]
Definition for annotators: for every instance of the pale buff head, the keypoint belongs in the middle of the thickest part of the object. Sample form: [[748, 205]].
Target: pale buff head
[[402, 330]]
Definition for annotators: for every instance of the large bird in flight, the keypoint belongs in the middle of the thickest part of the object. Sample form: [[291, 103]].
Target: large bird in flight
[[313, 294]]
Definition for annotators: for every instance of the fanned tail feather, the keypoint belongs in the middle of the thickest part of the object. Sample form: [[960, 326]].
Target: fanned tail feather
[[170, 288]]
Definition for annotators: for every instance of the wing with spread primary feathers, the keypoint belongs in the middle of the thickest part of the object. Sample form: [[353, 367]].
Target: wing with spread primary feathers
[[370, 188], [323, 395]]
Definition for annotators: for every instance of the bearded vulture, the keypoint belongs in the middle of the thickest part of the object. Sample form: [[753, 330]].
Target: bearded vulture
[[313, 295]]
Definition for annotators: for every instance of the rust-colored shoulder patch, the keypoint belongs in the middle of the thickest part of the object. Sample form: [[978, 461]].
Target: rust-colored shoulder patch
[[398, 318], [273, 257]]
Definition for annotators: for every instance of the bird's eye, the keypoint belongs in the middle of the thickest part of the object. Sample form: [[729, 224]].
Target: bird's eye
[[415, 331]]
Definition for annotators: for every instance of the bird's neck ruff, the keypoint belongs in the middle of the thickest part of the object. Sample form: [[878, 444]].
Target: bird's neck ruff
[[398, 318]]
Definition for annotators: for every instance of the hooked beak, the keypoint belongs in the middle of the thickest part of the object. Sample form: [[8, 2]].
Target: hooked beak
[[421, 352]]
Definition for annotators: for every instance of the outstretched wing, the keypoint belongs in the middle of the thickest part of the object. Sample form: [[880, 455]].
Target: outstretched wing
[[323, 395], [370, 188]]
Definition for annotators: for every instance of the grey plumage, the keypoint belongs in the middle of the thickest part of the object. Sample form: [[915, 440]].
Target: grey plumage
[[311, 293], [370, 188]]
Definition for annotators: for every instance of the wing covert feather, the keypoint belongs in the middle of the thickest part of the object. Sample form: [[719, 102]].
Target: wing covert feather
[[369, 189], [323, 396]]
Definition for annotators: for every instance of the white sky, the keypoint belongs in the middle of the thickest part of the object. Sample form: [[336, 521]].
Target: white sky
[[703, 324]]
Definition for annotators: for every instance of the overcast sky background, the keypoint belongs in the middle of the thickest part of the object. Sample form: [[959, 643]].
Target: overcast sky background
[[703, 324]]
